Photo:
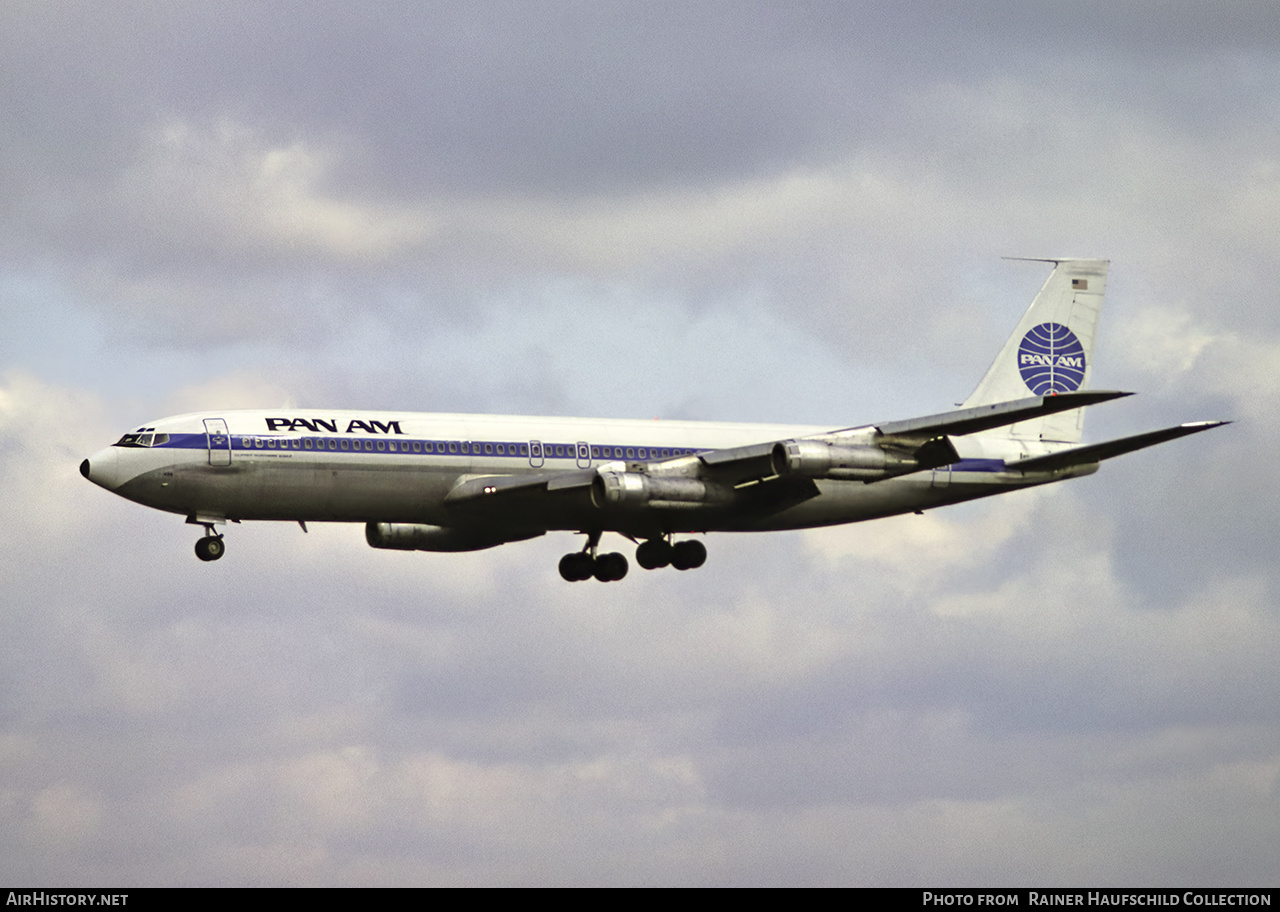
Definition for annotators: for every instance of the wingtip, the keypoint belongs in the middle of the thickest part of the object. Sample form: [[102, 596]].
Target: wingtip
[[1093, 396]]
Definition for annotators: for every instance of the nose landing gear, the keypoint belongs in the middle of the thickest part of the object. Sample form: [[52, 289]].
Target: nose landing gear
[[211, 547]]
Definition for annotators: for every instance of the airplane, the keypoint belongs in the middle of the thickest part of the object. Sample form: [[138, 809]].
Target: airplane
[[444, 483]]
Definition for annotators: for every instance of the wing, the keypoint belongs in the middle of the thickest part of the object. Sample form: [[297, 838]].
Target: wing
[[986, 417], [761, 477], [879, 451]]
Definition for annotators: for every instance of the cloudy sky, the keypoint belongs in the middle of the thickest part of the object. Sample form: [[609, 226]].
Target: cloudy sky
[[749, 211]]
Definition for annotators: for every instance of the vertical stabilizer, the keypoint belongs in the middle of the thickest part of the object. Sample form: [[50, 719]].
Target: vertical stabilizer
[[1050, 352]]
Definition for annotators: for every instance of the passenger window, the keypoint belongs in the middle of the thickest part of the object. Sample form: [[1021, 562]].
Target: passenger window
[[382, 446], [345, 443], [417, 447]]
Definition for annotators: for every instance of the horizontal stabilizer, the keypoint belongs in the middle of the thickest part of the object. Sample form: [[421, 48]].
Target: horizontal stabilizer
[[1097, 452], [985, 417]]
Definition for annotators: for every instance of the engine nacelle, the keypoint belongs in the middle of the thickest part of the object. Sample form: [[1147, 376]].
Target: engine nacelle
[[634, 489], [816, 459], [422, 537]]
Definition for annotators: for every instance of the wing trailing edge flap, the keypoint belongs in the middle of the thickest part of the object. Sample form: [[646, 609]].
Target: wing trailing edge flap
[[740, 464], [1097, 452], [470, 489]]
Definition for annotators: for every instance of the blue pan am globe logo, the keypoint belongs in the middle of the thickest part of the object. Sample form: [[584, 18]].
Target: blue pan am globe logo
[[1051, 360]]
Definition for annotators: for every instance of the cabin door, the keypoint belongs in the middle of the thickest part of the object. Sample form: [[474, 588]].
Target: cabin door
[[215, 431]]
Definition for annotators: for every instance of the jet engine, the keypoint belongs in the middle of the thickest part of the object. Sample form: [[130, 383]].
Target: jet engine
[[635, 489], [818, 459]]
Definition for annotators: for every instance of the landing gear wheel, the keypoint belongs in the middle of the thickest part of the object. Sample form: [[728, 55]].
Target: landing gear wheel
[[577, 566], [688, 555], [653, 554], [610, 567], [210, 548]]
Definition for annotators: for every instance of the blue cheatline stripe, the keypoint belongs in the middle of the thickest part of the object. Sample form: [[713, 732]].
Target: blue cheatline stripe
[[978, 465], [488, 448], [401, 446]]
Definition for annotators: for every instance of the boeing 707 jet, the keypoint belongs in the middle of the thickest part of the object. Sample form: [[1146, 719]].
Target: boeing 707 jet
[[440, 482]]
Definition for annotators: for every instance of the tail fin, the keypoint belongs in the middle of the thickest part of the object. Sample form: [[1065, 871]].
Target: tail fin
[[1050, 352]]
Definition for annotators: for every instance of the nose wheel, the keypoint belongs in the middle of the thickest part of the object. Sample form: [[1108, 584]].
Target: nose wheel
[[211, 547]]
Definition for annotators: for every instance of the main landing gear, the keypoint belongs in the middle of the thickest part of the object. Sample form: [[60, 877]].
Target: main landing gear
[[581, 565], [651, 555], [659, 552], [211, 547]]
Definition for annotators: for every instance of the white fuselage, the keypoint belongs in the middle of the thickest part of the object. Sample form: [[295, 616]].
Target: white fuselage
[[317, 466]]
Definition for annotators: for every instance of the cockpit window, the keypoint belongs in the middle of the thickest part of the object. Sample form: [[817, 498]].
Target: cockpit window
[[142, 440]]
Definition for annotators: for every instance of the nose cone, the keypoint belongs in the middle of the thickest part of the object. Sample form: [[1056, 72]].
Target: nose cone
[[103, 468]]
